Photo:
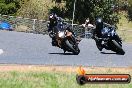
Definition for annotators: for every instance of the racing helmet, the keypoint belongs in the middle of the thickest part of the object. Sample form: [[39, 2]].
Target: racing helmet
[[53, 18], [99, 23]]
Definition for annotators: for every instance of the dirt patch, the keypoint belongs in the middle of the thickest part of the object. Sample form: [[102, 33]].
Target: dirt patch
[[68, 69]]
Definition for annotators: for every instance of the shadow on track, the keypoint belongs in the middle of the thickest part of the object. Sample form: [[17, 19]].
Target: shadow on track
[[62, 53], [111, 53], [108, 53]]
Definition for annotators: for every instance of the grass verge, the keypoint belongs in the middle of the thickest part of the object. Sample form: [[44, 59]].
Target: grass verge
[[125, 27], [54, 77]]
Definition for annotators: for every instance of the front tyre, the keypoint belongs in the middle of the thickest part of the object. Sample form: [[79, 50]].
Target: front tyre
[[118, 49], [73, 47], [77, 51]]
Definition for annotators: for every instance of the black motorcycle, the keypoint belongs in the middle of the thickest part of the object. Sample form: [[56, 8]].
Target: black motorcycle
[[65, 39], [111, 41]]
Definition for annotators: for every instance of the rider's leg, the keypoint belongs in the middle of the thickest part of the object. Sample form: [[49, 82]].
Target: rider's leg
[[54, 43]]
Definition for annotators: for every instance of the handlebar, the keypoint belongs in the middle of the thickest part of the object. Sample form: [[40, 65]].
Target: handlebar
[[95, 37], [103, 39]]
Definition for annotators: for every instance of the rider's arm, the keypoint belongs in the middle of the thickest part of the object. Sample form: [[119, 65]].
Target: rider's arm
[[110, 26], [91, 26], [107, 25]]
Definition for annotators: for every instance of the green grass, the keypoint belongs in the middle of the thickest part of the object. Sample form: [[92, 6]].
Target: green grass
[[124, 24], [125, 28], [125, 35], [16, 79]]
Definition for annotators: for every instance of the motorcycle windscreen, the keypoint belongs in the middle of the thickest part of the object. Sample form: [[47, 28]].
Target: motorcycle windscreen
[[105, 32], [60, 27], [112, 32]]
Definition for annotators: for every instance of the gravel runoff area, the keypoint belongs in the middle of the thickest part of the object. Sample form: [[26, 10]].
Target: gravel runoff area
[[67, 69]]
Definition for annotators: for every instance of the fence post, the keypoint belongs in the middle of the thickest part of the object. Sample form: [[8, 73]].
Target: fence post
[[85, 32], [33, 27], [0, 17]]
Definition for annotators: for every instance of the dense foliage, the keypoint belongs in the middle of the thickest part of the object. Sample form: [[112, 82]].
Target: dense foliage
[[130, 10], [93, 9], [9, 6], [107, 9], [35, 9]]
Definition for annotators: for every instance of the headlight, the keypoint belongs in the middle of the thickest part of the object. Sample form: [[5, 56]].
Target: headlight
[[61, 34], [112, 32], [104, 31]]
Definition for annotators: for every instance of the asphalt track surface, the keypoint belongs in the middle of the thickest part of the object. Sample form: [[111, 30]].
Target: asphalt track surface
[[36, 49]]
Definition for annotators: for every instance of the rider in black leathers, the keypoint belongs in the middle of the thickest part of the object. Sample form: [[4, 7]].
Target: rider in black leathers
[[97, 32], [53, 20], [51, 24]]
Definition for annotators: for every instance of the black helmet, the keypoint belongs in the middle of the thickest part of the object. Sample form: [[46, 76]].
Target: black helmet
[[99, 23], [52, 16]]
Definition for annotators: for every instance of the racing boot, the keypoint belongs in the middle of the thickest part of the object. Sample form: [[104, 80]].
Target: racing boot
[[54, 43]]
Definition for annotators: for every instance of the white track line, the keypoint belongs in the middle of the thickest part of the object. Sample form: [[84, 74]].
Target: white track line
[[1, 51]]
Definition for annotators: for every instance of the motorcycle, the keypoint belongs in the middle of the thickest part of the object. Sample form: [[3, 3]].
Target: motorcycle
[[65, 39], [111, 41]]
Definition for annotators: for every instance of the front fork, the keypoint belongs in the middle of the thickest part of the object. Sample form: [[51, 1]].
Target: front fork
[[60, 41]]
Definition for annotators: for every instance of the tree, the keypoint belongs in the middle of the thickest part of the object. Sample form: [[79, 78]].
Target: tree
[[35, 9], [9, 6], [92, 9], [130, 10]]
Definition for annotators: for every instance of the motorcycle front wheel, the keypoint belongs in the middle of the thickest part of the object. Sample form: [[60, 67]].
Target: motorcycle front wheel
[[73, 47], [118, 48]]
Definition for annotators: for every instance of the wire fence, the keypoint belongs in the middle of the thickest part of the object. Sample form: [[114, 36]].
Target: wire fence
[[21, 24], [36, 26]]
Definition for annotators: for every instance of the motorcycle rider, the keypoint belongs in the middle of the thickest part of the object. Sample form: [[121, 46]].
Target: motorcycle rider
[[97, 32], [89, 27], [51, 24], [53, 20], [87, 23]]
